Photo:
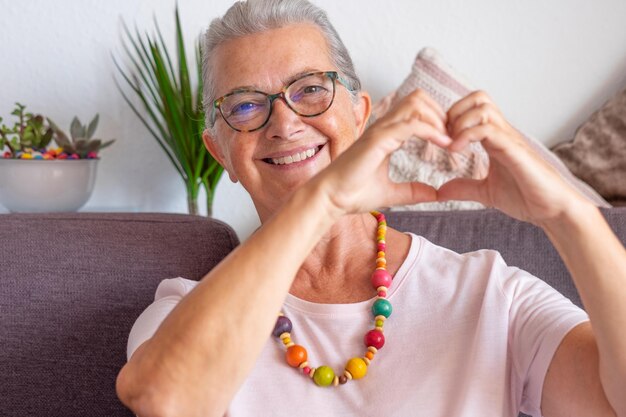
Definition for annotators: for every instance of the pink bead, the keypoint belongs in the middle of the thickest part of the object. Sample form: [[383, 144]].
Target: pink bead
[[380, 217], [381, 278], [374, 338], [382, 247], [306, 370], [382, 294]]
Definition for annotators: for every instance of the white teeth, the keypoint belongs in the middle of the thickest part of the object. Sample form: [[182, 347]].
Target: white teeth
[[301, 156]]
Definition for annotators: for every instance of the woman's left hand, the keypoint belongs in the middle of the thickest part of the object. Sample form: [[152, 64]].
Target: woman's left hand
[[519, 182]]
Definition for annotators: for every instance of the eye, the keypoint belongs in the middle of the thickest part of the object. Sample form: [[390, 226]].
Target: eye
[[244, 108], [313, 89], [308, 92]]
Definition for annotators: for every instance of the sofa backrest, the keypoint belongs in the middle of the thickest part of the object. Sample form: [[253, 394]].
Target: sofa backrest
[[71, 287], [520, 244]]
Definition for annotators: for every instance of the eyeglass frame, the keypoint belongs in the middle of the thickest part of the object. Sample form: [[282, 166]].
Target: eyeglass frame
[[333, 75]]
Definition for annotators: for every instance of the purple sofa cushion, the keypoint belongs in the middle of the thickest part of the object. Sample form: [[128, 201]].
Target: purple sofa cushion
[[71, 287]]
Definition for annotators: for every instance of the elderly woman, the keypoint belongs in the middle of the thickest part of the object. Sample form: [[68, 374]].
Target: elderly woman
[[466, 336]]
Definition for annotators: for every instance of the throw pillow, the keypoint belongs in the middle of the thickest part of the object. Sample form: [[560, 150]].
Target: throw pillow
[[597, 154], [419, 160]]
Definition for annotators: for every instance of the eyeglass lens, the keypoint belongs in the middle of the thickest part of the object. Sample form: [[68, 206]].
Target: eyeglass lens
[[309, 96]]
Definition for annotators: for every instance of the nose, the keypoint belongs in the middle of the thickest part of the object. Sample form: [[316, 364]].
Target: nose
[[284, 123]]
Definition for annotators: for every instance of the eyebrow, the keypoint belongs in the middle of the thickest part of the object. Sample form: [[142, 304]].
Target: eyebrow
[[287, 81]]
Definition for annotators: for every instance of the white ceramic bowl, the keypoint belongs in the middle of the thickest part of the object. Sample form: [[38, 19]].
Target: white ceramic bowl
[[39, 186]]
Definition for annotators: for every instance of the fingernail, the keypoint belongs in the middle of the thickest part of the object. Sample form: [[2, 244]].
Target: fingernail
[[446, 140]]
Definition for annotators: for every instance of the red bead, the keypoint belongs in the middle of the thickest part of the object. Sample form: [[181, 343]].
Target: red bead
[[382, 293], [382, 246], [381, 278], [374, 338]]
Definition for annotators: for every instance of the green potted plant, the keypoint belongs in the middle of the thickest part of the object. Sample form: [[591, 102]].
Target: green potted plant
[[36, 176], [171, 108]]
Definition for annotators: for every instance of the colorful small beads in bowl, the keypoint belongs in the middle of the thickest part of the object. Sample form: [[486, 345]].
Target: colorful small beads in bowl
[[47, 154]]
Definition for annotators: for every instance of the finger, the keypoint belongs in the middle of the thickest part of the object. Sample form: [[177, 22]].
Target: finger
[[421, 106], [482, 114], [466, 103], [433, 104], [473, 134], [411, 193], [464, 189], [428, 115], [404, 130]]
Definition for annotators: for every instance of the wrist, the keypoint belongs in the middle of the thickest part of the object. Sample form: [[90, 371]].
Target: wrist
[[572, 219], [316, 193]]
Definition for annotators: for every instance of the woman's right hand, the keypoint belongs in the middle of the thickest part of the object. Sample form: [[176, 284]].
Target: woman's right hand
[[358, 180]]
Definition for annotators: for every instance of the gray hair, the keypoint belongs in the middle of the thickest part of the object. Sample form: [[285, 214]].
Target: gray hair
[[254, 16]]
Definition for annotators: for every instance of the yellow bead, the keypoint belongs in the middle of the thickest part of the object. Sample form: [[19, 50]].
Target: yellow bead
[[286, 340], [379, 323], [357, 368]]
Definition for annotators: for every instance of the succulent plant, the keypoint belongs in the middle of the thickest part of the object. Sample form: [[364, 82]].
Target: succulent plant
[[30, 131], [81, 142]]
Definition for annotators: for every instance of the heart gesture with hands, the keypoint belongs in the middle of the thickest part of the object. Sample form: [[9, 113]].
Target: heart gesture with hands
[[519, 182]]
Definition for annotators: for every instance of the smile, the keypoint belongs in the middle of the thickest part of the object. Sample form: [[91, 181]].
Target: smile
[[296, 157]]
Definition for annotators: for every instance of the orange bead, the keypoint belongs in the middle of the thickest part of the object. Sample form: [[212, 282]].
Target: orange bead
[[369, 355], [295, 355]]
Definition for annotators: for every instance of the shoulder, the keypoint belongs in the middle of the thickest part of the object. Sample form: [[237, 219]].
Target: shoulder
[[174, 287]]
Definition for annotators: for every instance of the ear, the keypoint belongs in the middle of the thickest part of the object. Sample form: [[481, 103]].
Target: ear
[[215, 150], [362, 111]]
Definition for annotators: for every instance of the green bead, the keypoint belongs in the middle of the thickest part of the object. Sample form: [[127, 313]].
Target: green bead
[[382, 307], [324, 376]]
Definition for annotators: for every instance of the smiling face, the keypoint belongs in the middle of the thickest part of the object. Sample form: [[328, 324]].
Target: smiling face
[[275, 160]]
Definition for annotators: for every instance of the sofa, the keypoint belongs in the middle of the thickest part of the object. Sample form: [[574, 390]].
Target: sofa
[[72, 284]]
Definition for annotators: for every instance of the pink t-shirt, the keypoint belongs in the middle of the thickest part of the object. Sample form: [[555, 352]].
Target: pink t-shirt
[[468, 336]]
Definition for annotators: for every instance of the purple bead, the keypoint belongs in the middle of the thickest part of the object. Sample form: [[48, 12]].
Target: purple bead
[[283, 324]]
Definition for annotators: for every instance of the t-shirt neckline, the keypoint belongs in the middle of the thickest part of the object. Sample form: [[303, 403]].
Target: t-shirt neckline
[[318, 309]]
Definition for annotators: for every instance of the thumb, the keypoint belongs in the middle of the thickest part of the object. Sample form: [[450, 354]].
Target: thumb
[[464, 189], [411, 193]]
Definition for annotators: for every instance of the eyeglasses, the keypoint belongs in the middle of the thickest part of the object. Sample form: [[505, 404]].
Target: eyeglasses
[[249, 110]]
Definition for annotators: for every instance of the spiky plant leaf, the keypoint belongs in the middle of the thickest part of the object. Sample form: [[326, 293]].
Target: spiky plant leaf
[[76, 129], [92, 126], [169, 107]]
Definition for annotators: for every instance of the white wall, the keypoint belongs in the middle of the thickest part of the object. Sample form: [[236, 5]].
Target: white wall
[[547, 64]]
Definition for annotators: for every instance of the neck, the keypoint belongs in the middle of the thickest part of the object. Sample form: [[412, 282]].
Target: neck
[[338, 269]]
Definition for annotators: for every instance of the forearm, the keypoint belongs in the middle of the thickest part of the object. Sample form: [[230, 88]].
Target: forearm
[[597, 262], [203, 351]]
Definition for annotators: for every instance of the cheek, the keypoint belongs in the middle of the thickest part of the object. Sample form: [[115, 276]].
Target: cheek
[[341, 129]]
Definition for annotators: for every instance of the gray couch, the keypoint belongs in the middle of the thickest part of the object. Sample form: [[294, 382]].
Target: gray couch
[[71, 286]]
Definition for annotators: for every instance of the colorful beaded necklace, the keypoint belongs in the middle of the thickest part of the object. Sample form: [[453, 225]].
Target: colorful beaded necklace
[[374, 340]]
